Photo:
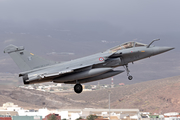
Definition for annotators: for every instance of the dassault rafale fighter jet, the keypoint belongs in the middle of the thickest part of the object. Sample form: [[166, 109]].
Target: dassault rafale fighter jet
[[95, 67]]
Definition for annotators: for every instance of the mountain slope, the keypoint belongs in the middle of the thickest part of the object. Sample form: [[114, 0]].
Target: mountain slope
[[153, 96]]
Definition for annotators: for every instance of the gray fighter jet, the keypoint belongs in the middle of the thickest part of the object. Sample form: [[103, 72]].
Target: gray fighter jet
[[95, 67]]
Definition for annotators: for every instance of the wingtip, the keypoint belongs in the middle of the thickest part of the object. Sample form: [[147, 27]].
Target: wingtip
[[12, 48]]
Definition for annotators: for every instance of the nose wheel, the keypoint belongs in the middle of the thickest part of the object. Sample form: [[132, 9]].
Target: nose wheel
[[130, 77], [128, 72], [78, 88]]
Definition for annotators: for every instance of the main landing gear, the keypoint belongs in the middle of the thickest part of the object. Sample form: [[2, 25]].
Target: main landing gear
[[78, 88], [128, 72]]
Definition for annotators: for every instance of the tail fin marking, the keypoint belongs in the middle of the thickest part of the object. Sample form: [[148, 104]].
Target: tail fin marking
[[26, 60]]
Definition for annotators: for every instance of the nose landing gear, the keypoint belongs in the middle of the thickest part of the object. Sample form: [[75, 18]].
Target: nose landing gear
[[130, 77], [128, 72]]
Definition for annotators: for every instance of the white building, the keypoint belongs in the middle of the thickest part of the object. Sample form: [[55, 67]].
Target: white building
[[74, 116], [115, 113], [171, 114], [14, 108], [59, 85], [11, 107], [9, 104], [40, 112], [64, 114]]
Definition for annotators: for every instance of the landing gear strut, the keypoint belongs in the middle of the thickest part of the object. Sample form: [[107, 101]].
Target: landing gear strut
[[78, 88], [128, 72]]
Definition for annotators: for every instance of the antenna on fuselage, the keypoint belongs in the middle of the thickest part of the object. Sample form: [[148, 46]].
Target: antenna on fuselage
[[152, 42]]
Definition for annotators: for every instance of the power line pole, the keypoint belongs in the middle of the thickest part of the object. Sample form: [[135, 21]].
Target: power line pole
[[109, 103]]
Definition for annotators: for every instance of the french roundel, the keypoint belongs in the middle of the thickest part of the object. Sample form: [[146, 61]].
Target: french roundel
[[101, 59]]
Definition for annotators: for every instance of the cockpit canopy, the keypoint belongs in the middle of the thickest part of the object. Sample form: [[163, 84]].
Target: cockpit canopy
[[127, 46]]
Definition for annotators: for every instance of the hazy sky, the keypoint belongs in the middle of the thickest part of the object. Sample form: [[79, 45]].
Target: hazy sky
[[57, 25], [132, 15]]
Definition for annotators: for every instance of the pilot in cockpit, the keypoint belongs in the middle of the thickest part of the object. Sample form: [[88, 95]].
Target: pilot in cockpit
[[129, 45]]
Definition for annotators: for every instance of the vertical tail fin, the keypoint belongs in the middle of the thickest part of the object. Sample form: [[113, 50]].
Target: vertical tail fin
[[26, 60]]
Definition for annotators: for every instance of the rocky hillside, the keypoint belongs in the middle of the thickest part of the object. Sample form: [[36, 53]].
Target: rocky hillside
[[33, 99], [154, 96]]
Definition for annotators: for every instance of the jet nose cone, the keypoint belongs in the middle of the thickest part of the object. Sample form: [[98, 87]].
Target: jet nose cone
[[165, 49], [159, 50]]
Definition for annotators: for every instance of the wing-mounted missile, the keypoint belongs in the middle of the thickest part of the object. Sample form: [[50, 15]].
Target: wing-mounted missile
[[37, 78], [56, 74]]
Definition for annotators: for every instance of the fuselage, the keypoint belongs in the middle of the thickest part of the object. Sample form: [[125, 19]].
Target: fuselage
[[82, 70], [106, 59]]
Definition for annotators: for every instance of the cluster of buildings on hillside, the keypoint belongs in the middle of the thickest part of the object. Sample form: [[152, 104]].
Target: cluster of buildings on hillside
[[64, 87], [9, 111], [15, 112]]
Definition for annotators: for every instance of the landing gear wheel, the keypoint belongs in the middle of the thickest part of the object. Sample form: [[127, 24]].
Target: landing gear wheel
[[130, 77], [78, 88], [128, 72]]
